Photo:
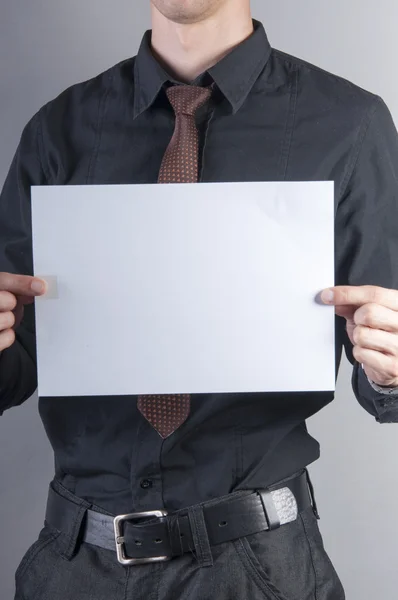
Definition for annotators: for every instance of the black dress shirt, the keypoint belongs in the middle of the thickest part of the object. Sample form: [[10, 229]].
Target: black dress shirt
[[273, 117]]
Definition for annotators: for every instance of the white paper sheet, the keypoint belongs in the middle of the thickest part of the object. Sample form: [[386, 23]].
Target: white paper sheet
[[186, 288]]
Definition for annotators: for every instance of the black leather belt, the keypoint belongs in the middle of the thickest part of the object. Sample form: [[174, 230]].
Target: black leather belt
[[158, 536]]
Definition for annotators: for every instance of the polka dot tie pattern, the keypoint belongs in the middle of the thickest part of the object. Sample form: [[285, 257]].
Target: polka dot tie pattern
[[166, 413]]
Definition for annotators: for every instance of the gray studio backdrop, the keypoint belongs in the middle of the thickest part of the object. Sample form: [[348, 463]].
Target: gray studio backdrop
[[47, 45]]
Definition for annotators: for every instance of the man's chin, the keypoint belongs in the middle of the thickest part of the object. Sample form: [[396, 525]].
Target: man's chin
[[186, 12]]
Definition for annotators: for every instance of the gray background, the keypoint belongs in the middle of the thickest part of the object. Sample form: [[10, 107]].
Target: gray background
[[47, 45]]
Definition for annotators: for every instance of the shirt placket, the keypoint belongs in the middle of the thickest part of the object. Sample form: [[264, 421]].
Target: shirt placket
[[145, 472]]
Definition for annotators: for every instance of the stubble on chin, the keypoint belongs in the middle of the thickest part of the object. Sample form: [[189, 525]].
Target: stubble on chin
[[186, 12]]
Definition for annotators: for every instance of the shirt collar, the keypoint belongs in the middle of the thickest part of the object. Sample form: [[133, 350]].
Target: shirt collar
[[234, 75]]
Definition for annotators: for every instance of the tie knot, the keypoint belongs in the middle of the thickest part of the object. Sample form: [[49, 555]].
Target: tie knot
[[187, 99]]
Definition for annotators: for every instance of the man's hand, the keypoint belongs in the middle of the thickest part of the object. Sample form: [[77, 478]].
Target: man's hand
[[15, 292], [371, 313]]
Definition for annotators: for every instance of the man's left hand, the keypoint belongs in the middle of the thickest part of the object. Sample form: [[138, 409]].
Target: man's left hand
[[371, 313]]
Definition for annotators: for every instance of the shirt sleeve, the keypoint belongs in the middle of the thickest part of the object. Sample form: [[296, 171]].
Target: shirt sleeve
[[384, 407], [366, 233], [18, 378]]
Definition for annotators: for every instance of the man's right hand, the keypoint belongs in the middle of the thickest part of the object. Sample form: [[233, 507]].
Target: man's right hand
[[15, 292]]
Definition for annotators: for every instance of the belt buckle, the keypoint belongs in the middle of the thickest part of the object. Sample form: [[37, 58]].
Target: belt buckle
[[119, 537]]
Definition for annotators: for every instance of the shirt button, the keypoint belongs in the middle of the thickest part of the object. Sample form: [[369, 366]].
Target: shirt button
[[146, 484]]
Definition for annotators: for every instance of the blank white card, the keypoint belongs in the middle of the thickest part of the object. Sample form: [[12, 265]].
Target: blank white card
[[184, 288]]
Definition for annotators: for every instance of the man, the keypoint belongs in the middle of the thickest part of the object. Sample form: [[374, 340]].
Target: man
[[230, 470]]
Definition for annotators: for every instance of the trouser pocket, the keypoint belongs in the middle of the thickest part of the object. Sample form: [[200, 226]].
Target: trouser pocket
[[40, 556], [290, 563]]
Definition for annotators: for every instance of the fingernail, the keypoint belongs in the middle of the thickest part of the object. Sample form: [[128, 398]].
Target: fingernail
[[327, 295], [37, 286]]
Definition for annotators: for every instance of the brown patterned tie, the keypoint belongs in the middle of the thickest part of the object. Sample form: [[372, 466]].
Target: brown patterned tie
[[179, 165]]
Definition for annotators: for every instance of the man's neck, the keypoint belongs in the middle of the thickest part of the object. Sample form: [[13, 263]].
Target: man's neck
[[186, 51]]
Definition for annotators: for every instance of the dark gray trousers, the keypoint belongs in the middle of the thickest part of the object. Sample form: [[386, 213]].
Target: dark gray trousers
[[289, 563]]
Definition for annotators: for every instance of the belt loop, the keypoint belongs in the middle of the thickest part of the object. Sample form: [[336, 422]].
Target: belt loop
[[72, 538], [312, 492], [199, 536], [270, 511], [75, 509]]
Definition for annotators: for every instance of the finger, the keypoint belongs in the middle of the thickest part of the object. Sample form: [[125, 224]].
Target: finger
[[359, 295], [7, 338], [377, 361], [7, 301], [22, 285], [377, 317], [7, 320], [375, 339]]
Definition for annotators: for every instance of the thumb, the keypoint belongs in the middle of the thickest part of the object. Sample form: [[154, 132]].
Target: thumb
[[347, 312], [25, 300], [19, 309]]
